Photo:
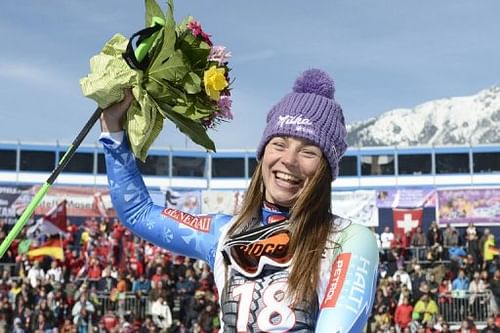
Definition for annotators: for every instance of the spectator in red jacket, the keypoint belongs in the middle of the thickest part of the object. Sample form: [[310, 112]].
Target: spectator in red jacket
[[109, 322], [95, 271], [402, 316]]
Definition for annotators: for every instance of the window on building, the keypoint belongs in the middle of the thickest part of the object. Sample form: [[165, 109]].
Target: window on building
[[155, 165], [188, 166], [8, 159], [228, 167], [252, 165], [415, 164], [37, 160], [377, 165], [348, 166], [101, 163], [452, 163], [486, 162], [80, 163]]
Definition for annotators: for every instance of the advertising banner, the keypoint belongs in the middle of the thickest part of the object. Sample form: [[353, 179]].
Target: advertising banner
[[358, 206], [187, 201], [406, 197], [461, 206], [222, 202], [81, 201], [13, 201]]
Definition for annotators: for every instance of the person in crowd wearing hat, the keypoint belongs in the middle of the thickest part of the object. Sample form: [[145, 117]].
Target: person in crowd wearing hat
[[285, 262]]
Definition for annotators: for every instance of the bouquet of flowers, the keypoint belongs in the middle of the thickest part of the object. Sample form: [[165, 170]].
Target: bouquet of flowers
[[175, 72]]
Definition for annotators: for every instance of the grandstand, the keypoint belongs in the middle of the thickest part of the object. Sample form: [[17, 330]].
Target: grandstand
[[418, 182]]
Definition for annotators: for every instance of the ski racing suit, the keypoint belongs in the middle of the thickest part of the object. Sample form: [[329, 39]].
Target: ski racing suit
[[258, 304]]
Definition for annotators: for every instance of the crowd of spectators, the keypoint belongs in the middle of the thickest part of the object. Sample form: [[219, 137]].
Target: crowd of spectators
[[429, 280], [108, 281], [421, 277]]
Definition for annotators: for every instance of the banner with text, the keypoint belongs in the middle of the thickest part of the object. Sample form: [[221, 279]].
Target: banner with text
[[461, 206], [81, 201], [13, 201]]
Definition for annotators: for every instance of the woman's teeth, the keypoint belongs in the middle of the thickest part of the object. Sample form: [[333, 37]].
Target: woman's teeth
[[288, 178]]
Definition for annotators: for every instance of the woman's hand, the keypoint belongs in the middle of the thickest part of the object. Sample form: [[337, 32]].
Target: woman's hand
[[112, 117]]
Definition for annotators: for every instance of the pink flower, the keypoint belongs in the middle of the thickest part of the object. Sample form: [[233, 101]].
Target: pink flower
[[219, 54], [195, 27], [196, 30], [224, 104]]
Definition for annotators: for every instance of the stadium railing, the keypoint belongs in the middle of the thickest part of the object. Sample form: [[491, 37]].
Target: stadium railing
[[122, 304], [457, 305]]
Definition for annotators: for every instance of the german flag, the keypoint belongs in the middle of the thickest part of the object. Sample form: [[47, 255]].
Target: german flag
[[52, 248]]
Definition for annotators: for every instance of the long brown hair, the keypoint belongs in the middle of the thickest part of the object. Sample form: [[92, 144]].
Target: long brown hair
[[309, 228]]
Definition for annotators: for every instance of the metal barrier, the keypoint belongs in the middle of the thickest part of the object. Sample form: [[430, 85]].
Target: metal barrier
[[421, 255], [11, 268], [123, 304], [457, 305]]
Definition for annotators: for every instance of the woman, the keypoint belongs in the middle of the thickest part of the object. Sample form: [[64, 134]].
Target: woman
[[285, 263]]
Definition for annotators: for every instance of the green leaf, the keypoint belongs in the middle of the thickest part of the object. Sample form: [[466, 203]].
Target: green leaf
[[181, 109], [173, 69], [192, 83], [203, 108], [153, 87], [169, 37], [195, 131], [163, 108], [198, 58], [160, 89], [199, 113], [189, 39], [193, 109], [153, 10]]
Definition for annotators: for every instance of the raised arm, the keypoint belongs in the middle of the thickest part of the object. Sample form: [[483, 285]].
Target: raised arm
[[194, 236], [349, 294]]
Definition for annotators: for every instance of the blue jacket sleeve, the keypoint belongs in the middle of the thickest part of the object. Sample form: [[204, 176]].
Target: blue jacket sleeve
[[195, 236], [350, 291]]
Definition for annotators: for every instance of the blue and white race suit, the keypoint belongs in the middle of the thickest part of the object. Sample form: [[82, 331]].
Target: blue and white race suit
[[348, 272]]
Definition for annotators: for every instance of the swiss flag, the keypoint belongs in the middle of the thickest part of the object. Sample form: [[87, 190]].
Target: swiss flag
[[406, 220]]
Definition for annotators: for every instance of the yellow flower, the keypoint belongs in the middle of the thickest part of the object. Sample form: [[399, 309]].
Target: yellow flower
[[215, 81]]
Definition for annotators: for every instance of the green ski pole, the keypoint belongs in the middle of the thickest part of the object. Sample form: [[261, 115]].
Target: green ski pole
[[140, 56], [14, 232]]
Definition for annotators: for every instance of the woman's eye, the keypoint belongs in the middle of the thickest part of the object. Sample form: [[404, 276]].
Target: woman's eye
[[278, 144], [310, 153]]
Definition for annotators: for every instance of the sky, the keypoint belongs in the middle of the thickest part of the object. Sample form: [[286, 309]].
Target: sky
[[382, 55]]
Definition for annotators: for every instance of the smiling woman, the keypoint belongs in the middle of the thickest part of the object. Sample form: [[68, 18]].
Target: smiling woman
[[288, 164], [285, 263]]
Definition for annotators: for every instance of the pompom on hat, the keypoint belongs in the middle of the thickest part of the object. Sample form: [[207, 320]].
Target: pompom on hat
[[310, 112]]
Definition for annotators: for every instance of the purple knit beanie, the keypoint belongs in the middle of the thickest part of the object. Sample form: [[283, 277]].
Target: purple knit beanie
[[310, 112]]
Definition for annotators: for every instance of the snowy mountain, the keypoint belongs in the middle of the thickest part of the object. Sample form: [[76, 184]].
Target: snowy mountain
[[457, 120]]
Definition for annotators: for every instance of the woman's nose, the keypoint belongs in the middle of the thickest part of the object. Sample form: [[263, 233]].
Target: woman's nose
[[289, 157]]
